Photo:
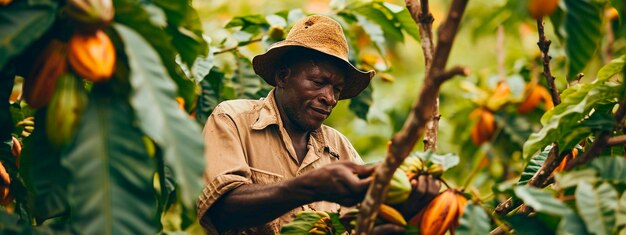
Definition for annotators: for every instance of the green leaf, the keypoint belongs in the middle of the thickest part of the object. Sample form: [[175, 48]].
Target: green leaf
[[597, 207], [474, 221], [209, 97], [446, 160], [111, 190], [621, 211], [337, 225], [407, 23], [45, 177], [374, 31], [245, 21], [380, 15], [525, 225], [361, 103], [541, 201], [612, 68], [246, 83], [21, 25], [573, 178], [583, 33], [534, 165], [571, 224], [134, 15], [302, 224], [160, 118], [558, 123], [611, 168]]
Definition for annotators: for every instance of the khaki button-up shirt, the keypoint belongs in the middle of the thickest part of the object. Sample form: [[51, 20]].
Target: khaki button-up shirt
[[247, 144]]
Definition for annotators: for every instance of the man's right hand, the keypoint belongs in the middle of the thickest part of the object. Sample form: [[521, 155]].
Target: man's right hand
[[342, 182]]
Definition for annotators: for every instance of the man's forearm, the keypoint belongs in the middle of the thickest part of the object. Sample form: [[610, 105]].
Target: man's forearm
[[251, 205]]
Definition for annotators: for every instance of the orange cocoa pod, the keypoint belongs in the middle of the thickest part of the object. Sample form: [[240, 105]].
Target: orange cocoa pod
[[484, 127], [567, 158], [92, 56], [5, 2], [39, 83], [391, 215], [443, 213], [535, 96], [541, 8]]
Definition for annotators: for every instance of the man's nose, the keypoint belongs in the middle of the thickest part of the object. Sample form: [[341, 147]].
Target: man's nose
[[329, 96]]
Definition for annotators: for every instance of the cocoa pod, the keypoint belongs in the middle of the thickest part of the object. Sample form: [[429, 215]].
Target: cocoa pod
[[92, 56], [64, 111], [436, 170], [39, 83], [412, 165], [443, 213], [5, 2], [399, 188], [5, 183], [541, 8], [484, 127], [16, 150], [391, 215], [500, 96], [567, 158], [90, 15], [536, 95]]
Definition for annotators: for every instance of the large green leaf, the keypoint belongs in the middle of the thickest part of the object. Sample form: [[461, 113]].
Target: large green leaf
[[303, 222], [563, 120], [541, 201], [609, 70], [573, 178], [22, 24], [621, 211], [111, 190], [361, 103], [40, 165], [407, 23], [611, 168], [448, 160], [374, 31], [210, 95], [153, 101], [534, 165], [134, 15], [597, 207], [571, 224], [474, 221], [380, 15], [525, 225], [246, 83], [583, 33]]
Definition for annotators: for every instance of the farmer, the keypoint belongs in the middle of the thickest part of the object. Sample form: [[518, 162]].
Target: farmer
[[271, 158]]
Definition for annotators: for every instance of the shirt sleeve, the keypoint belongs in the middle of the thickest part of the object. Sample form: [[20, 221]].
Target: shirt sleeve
[[226, 165]]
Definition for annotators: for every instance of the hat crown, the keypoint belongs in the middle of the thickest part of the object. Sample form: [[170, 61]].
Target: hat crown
[[320, 33]]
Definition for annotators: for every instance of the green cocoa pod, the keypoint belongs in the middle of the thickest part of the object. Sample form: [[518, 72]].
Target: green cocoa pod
[[412, 165], [399, 188], [67, 103], [436, 170]]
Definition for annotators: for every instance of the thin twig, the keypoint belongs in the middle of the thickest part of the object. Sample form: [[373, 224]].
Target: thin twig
[[405, 139], [500, 53], [544, 46], [616, 140]]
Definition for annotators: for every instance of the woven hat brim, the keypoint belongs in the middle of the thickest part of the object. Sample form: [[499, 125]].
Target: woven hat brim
[[266, 64]]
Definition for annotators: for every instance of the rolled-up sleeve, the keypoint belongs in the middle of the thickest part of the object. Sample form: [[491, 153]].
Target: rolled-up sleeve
[[226, 167]]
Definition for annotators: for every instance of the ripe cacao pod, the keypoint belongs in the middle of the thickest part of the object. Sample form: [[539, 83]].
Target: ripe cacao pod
[[5, 183], [484, 127], [391, 215], [5, 2], [541, 8], [500, 96], [90, 15], [412, 165], [39, 83], [536, 94], [399, 188], [443, 213], [92, 56], [64, 111], [567, 158]]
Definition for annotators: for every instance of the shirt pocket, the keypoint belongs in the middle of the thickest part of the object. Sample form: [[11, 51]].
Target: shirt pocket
[[264, 177]]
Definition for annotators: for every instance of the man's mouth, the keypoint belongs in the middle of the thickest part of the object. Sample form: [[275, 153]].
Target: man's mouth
[[321, 111]]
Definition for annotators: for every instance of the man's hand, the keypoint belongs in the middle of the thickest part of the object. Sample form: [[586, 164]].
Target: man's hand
[[341, 182], [425, 188]]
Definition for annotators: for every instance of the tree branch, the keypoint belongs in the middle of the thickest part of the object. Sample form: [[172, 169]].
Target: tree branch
[[616, 140], [544, 46], [403, 141]]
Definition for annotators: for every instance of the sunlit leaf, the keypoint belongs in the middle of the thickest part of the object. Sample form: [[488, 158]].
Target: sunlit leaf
[[573, 178], [361, 103], [621, 211], [373, 30], [245, 21], [111, 171], [577, 101], [611, 168], [597, 207], [612, 68], [21, 25], [303, 222], [376, 13], [541, 201], [154, 103], [474, 221], [448, 160], [583, 33], [534, 165]]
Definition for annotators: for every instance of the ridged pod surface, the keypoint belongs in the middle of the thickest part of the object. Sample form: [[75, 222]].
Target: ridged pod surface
[[39, 83], [399, 188], [68, 102], [92, 56], [391, 215], [442, 213]]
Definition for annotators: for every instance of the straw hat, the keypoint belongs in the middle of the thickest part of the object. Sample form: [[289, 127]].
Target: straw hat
[[319, 33]]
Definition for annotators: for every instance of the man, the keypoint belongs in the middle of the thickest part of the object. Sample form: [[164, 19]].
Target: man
[[268, 159]]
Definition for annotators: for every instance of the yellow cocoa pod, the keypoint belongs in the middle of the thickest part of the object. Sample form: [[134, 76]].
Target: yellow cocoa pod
[[501, 95], [443, 213], [92, 56], [64, 111], [412, 165], [391, 215], [436, 170], [39, 83], [541, 8], [399, 188], [90, 15]]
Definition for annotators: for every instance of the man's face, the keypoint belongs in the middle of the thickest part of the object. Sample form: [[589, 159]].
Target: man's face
[[309, 92]]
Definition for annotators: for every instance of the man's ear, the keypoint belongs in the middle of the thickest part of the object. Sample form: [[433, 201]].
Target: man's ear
[[281, 76]]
